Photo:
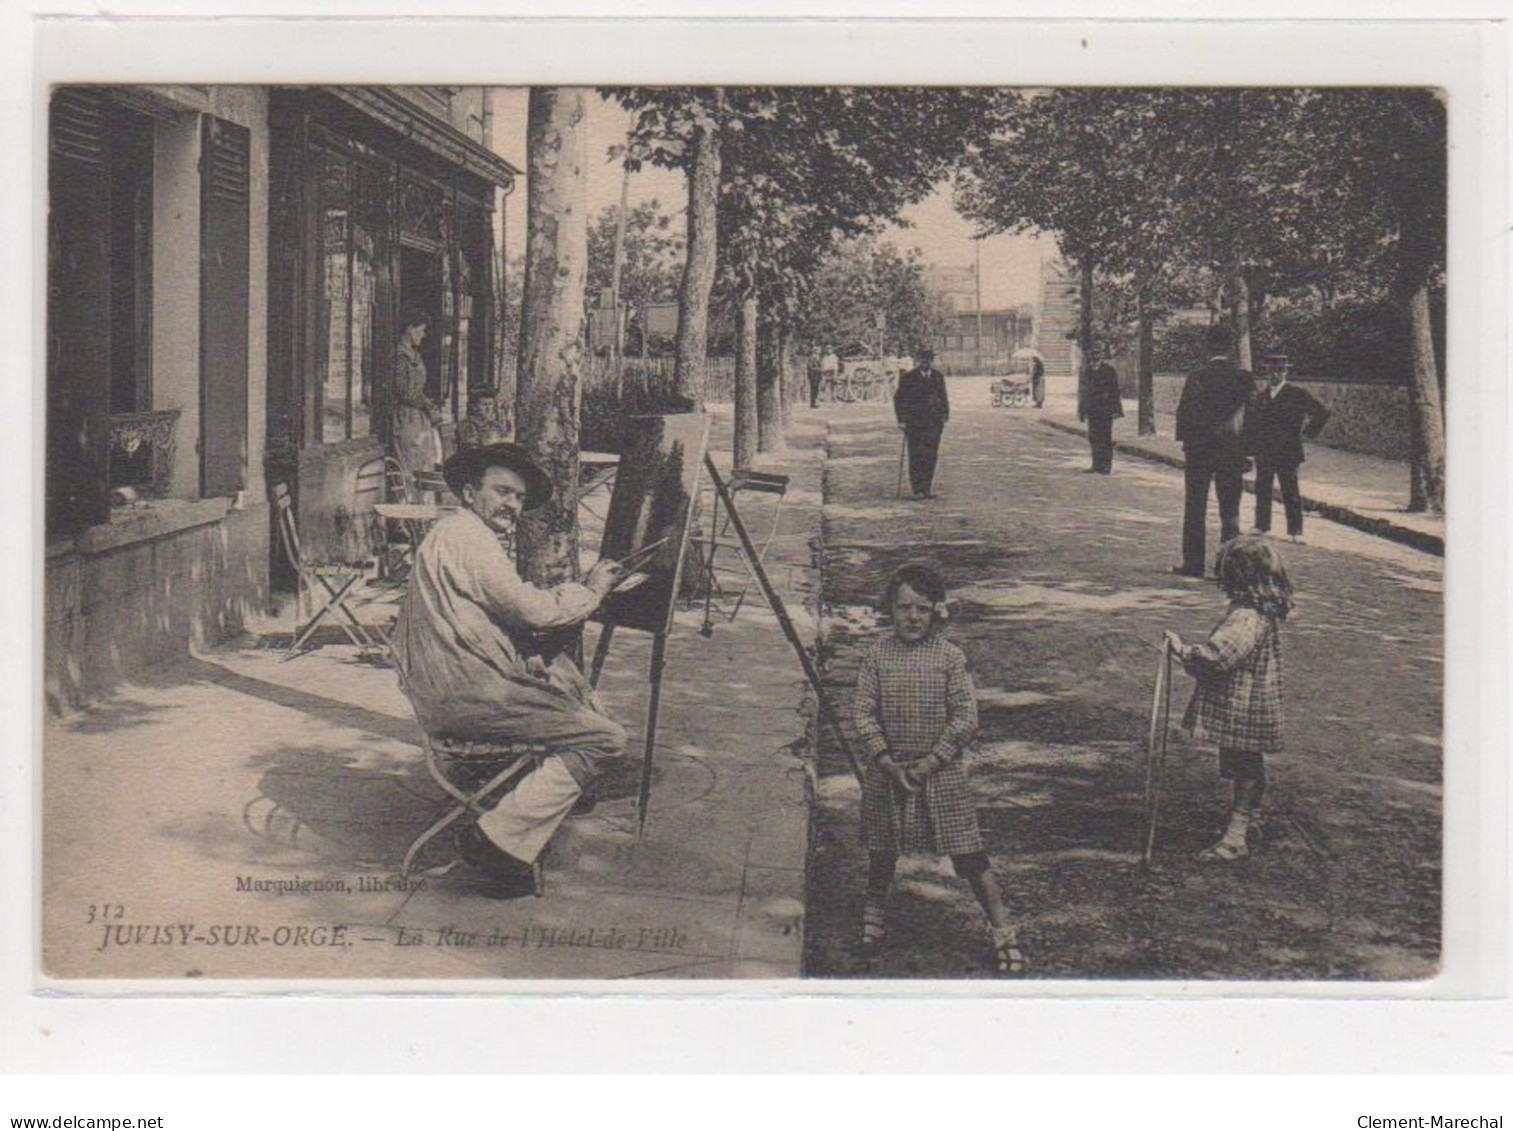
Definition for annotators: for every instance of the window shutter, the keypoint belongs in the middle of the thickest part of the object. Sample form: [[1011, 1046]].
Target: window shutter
[[78, 306], [225, 213]]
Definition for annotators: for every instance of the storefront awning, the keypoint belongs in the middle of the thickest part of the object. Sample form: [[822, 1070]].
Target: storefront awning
[[385, 105]]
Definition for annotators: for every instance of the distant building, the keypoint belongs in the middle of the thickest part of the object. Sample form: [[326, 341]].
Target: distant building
[[957, 284], [1056, 318], [1003, 331]]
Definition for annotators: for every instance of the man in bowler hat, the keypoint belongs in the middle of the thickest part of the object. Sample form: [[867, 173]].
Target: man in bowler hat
[[922, 409], [1099, 404], [1277, 420]]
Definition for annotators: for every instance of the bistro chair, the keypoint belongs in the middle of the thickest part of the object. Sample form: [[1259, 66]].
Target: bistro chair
[[596, 484], [335, 589], [717, 544], [431, 486], [396, 481]]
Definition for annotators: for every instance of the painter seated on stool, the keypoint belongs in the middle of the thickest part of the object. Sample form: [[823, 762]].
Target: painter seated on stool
[[465, 647]]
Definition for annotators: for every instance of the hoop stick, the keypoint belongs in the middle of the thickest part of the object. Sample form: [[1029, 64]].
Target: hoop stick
[[1161, 707]]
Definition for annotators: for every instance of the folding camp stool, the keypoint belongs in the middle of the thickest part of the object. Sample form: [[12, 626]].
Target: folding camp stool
[[451, 761]]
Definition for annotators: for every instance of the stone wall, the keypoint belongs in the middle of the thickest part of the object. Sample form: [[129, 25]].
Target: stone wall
[[1372, 419], [143, 590]]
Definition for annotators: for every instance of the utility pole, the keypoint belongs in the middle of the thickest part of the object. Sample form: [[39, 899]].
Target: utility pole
[[619, 260], [977, 279]]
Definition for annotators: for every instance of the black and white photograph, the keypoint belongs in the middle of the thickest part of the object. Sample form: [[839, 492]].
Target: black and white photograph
[[821, 532]]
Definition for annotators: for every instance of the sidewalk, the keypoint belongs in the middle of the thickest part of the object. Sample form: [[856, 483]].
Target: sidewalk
[[1061, 590], [265, 806], [1361, 491]]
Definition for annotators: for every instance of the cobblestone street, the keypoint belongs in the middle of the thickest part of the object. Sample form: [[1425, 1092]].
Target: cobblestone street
[[1061, 590]]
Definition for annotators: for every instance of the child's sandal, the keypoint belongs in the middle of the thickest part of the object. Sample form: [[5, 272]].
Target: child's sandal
[[874, 928], [1007, 957]]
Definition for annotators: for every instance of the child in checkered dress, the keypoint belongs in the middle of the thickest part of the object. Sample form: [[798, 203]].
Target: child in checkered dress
[[1238, 700], [915, 712]]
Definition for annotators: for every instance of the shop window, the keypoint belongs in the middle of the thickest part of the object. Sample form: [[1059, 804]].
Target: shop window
[[354, 223], [335, 295], [473, 307]]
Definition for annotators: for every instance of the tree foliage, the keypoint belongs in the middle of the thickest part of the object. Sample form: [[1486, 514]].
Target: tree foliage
[[1243, 197], [801, 168], [858, 280], [683, 128], [653, 250]]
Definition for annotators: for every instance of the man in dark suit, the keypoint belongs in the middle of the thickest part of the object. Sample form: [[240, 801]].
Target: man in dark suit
[[1276, 422], [1210, 428], [1099, 404], [922, 410]]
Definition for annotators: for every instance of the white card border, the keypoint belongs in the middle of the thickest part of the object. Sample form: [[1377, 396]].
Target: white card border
[[153, 44]]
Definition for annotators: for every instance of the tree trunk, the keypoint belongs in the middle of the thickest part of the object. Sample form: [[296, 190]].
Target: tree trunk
[[746, 384], [1146, 376], [769, 371], [785, 353], [1427, 415], [1228, 163], [1420, 251], [551, 358], [699, 266], [1238, 296], [1084, 333]]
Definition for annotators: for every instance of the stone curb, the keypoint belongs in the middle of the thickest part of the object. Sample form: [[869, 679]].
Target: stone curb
[[1345, 516]]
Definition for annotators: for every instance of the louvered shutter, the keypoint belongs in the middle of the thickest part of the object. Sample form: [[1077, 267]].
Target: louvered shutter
[[78, 310], [225, 213]]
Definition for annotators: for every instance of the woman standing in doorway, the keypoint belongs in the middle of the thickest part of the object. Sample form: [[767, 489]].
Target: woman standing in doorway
[[416, 439]]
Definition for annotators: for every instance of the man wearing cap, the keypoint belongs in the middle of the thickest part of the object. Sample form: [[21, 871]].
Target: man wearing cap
[[922, 409], [1210, 428], [1277, 420], [464, 644]]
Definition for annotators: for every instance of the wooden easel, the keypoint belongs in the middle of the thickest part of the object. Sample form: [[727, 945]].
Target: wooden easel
[[659, 653]]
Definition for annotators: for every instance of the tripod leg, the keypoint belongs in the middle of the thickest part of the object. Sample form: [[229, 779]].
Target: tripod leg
[[658, 657], [785, 622]]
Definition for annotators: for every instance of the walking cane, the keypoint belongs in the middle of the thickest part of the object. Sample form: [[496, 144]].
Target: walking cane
[[1161, 710], [903, 452]]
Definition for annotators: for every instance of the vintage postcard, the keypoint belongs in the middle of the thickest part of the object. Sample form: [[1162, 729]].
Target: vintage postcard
[[827, 534]]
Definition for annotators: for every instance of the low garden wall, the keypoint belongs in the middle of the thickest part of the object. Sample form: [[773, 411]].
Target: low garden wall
[[1372, 419]]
